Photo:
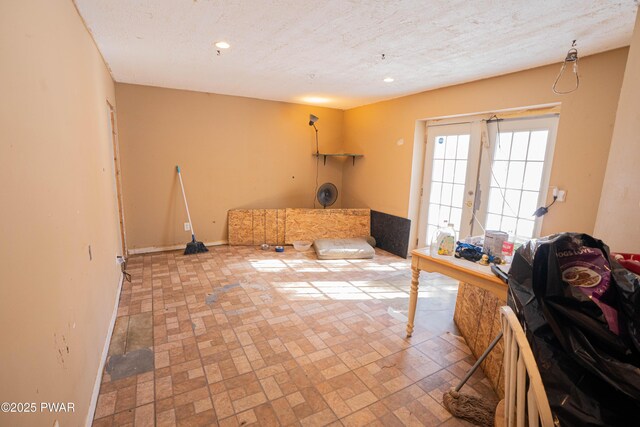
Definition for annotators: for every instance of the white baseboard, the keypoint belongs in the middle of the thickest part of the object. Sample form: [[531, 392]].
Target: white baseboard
[[170, 248], [103, 359]]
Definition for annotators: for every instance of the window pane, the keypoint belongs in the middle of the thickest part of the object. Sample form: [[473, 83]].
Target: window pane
[[434, 214], [503, 146], [533, 176], [449, 170], [493, 222], [538, 145], [499, 174], [456, 217], [445, 211], [447, 189], [458, 195], [463, 147], [515, 179], [512, 202], [434, 195], [516, 174], [508, 225], [528, 204], [438, 149], [525, 228], [495, 201], [519, 146], [461, 172], [451, 147], [438, 166], [431, 232]]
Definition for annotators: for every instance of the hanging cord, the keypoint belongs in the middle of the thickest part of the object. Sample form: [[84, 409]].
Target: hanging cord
[[502, 192], [543, 210], [572, 56], [317, 166], [315, 192], [123, 268], [476, 199]]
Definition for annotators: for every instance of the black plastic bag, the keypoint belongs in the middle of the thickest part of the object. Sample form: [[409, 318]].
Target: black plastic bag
[[590, 373]]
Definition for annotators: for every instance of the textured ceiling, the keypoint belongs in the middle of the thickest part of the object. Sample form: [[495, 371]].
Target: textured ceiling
[[291, 49]]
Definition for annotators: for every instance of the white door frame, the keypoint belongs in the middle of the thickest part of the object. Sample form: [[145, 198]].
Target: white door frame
[[472, 129]]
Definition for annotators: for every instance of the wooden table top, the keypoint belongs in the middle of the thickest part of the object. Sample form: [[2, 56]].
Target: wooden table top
[[460, 269]]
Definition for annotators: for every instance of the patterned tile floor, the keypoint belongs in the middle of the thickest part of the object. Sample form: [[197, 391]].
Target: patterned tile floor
[[245, 337]]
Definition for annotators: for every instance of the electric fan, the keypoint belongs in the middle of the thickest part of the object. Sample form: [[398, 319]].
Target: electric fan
[[327, 194]]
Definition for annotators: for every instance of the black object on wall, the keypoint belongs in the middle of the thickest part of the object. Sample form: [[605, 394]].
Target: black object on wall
[[391, 232]]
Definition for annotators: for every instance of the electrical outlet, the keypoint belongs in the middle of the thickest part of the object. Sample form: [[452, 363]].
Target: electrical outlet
[[562, 195], [187, 226]]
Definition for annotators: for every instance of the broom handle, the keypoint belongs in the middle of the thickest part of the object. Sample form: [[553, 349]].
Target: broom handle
[[479, 361], [184, 196]]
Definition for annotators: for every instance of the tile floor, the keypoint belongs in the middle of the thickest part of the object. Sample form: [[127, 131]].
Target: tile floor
[[240, 336]]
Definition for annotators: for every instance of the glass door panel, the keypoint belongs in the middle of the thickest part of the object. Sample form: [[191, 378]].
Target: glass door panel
[[449, 180]]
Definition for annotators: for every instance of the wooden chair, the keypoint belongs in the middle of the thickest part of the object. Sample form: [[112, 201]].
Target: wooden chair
[[524, 394]]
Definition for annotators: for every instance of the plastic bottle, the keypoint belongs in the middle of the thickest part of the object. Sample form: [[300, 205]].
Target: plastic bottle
[[444, 241], [508, 248]]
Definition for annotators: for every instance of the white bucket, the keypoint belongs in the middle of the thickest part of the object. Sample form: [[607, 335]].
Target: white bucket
[[493, 241]]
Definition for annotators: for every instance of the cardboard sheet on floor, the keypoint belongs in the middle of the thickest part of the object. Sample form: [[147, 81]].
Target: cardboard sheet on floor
[[355, 248]]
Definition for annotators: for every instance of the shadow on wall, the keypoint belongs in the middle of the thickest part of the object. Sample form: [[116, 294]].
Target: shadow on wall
[[173, 210]]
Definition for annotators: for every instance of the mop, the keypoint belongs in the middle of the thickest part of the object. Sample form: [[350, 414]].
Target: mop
[[471, 408], [193, 247]]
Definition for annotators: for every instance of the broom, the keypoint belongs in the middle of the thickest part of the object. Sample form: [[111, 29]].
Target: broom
[[468, 407], [193, 247]]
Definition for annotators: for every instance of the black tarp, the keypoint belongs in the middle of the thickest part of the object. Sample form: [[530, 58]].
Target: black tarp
[[591, 374]]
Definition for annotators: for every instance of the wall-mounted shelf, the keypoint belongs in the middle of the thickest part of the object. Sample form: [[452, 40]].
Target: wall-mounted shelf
[[325, 155]]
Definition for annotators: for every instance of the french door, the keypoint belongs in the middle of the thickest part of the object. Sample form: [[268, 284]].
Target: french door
[[450, 174], [486, 175], [515, 178]]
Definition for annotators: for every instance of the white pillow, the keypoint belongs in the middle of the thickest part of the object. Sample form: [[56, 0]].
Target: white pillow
[[355, 248]]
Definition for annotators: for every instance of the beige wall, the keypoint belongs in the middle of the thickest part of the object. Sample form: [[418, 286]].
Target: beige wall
[[234, 153], [57, 199], [382, 180], [617, 222]]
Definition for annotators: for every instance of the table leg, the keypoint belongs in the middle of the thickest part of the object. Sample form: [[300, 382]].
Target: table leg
[[413, 299]]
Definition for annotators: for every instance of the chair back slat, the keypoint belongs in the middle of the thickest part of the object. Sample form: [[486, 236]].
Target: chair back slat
[[525, 397]]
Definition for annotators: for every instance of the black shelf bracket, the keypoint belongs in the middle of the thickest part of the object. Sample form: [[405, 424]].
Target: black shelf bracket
[[325, 155]]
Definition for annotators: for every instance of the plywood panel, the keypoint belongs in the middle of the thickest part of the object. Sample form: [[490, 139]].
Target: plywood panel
[[240, 227], [312, 224], [457, 314], [284, 226], [268, 226], [281, 225], [474, 303], [259, 226]]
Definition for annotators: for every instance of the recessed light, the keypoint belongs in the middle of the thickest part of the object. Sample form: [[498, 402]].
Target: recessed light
[[388, 79], [315, 99], [223, 45]]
